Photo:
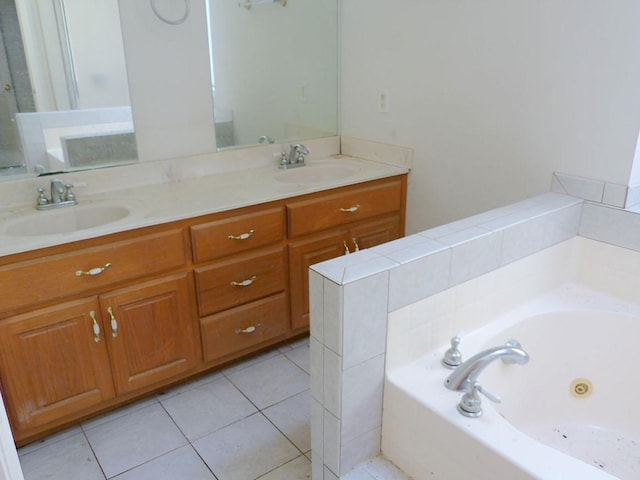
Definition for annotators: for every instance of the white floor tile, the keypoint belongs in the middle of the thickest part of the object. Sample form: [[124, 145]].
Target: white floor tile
[[236, 367], [301, 356], [271, 381], [293, 418], [205, 409], [56, 437], [120, 412], [134, 439], [185, 387], [297, 469], [68, 459], [181, 464], [245, 450]]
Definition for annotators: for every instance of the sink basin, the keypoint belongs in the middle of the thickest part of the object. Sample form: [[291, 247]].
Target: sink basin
[[64, 220], [316, 173]]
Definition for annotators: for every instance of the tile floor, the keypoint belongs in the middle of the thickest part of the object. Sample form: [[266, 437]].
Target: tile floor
[[249, 421]]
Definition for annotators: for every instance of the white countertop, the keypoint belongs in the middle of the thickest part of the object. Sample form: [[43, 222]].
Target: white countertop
[[167, 202]]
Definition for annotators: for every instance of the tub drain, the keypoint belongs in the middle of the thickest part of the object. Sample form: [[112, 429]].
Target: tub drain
[[581, 388]]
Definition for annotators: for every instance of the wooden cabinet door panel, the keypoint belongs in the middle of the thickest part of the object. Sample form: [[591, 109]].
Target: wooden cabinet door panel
[[303, 254], [245, 327], [239, 233], [151, 332], [374, 233], [52, 365], [50, 277], [240, 279], [344, 207]]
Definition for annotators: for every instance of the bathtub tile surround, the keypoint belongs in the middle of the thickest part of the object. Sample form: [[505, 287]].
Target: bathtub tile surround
[[612, 194], [423, 266]]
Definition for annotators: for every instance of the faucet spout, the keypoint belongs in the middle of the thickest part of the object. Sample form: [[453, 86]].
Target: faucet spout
[[466, 375]]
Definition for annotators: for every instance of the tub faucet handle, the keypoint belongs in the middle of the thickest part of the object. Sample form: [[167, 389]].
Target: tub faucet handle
[[452, 358], [470, 404]]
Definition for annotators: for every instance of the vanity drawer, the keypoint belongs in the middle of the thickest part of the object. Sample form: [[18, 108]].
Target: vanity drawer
[[346, 206], [244, 327], [237, 234], [240, 280], [55, 276]]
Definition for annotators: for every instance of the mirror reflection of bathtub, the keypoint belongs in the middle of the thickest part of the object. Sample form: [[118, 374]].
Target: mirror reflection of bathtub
[[568, 413]]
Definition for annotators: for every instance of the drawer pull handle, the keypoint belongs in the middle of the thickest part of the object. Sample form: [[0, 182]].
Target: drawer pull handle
[[114, 323], [96, 326], [242, 236], [244, 283], [93, 271], [353, 209], [250, 329]]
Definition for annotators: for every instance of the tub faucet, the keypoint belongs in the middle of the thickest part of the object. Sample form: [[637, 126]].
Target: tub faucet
[[466, 375], [294, 157]]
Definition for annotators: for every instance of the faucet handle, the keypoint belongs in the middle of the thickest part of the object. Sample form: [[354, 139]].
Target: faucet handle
[[42, 199], [69, 196], [452, 358], [470, 404]]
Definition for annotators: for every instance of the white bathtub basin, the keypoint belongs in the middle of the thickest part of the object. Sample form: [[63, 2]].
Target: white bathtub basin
[[64, 220], [542, 429]]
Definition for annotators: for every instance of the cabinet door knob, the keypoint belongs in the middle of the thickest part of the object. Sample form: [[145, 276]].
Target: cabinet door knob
[[93, 271], [244, 283], [114, 323], [96, 326], [242, 236], [353, 209], [247, 330]]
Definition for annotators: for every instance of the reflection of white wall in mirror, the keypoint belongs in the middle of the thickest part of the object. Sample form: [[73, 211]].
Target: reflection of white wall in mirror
[[95, 37], [96, 41], [278, 69], [169, 80]]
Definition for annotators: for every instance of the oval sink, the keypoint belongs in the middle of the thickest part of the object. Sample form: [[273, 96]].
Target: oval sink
[[65, 220], [316, 173]]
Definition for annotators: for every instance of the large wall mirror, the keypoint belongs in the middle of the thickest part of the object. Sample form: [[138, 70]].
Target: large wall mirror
[[64, 99]]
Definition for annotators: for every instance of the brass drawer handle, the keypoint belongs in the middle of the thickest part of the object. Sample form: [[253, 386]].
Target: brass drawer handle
[[114, 323], [93, 271], [244, 283], [250, 329], [96, 326], [242, 236], [353, 209]]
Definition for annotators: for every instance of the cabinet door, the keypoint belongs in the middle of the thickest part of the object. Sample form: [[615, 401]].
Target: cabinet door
[[375, 232], [303, 254], [54, 364], [150, 329]]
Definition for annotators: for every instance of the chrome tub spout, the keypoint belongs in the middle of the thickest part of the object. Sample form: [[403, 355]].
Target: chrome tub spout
[[466, 375]]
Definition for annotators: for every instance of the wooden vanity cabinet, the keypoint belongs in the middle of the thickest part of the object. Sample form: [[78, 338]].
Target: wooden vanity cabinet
[[90, 325]]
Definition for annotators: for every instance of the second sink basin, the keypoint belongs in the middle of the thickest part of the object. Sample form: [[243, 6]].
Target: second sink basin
[[316, 173], [64, 220]]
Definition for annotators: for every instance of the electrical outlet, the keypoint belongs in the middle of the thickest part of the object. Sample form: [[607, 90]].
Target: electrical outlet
[[383, 100]]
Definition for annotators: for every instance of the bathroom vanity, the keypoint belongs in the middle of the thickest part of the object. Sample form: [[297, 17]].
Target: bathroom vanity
[[99, 321]]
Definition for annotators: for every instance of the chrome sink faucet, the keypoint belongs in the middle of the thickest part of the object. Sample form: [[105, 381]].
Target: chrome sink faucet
[[294, 157], [61, 196]]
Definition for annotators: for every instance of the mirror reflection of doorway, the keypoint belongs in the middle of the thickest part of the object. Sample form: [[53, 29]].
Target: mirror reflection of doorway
[[15, 89]]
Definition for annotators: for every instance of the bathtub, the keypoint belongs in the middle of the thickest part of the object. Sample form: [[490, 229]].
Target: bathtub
[[569, 414]]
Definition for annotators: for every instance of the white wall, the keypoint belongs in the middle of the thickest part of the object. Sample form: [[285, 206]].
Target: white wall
[[275, 68], [495, 95]]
